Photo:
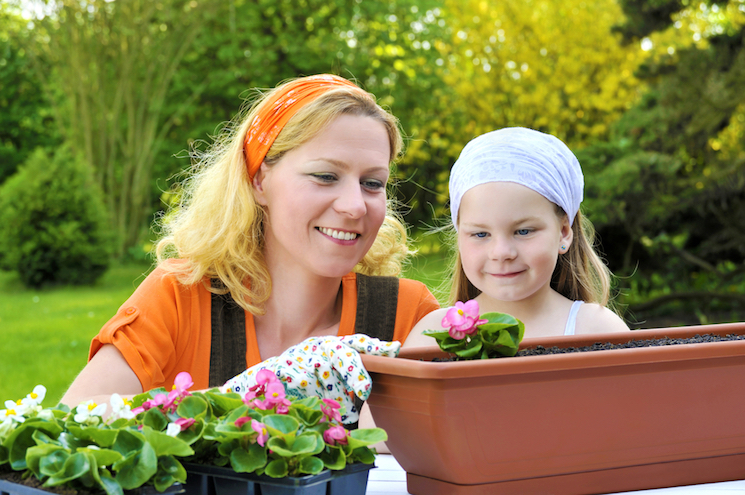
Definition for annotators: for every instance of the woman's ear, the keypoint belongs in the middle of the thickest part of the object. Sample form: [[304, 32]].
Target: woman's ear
[[567, 235], [258, 183]]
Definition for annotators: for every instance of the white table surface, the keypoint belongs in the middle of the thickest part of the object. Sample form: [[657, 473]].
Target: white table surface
[[389, 479]]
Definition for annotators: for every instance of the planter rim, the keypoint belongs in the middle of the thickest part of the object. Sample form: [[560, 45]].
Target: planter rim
[[410, 364], [230, 473]]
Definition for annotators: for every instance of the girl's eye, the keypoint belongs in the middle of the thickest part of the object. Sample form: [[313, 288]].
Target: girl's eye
[[523, 231], [480, 235]]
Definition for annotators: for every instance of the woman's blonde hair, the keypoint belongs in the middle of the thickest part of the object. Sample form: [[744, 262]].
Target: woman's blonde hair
[[218, 227], [580, 274]]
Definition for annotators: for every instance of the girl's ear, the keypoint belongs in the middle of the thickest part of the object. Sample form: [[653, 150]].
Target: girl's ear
[[258, 184], [567, 235]]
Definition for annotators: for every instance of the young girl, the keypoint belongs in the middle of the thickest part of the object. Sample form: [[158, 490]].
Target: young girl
[[523, 246]]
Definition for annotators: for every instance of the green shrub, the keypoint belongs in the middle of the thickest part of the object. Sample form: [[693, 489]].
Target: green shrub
[[53, 224]]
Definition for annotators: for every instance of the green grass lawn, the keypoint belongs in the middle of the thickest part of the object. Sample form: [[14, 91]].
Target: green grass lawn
[[45, 334]]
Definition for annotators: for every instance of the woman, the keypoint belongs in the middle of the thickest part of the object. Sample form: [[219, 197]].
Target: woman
[[261, 253]]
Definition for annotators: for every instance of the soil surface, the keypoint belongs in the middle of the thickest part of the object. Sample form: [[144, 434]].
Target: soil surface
[[32, 482], [698, 339]]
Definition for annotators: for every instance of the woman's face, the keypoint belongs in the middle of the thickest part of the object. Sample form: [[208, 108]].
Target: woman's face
[[326, 200]]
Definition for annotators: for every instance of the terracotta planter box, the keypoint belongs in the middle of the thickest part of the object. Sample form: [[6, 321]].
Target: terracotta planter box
[[577, 423], [212, 480]]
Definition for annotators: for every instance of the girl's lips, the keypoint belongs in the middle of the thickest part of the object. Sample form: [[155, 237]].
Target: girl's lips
[[507, 275]]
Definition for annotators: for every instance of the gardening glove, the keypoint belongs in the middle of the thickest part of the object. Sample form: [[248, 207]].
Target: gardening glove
[[326, 367]]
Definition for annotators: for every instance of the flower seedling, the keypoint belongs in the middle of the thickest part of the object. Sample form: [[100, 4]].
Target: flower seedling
[[470, 336]]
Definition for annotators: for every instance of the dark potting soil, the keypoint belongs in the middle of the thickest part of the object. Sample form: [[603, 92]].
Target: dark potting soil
[[33, 482], [598, 346]]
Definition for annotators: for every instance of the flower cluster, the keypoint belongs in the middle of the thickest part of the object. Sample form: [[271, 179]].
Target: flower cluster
[[470, 336], [145, 440]]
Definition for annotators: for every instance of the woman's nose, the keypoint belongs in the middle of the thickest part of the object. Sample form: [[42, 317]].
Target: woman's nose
[[351, 201]]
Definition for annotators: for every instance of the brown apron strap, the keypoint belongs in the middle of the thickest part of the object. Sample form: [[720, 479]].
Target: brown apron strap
[[377, 301], [228, 349]]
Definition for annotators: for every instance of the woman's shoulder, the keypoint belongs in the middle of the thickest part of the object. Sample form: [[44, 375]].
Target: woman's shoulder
[[595, 318]]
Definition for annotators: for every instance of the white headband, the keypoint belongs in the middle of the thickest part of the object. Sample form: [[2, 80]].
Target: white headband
[[531, 158]]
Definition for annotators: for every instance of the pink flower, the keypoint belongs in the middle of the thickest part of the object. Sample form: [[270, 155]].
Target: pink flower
[[330, 409], [263, 378], [274, 396], [260, 428], [184, 423], [242, 421], [462, 319], [182, 383], [335, 435]]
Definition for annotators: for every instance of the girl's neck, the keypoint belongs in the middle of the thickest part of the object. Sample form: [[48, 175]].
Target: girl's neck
[[544, 314]]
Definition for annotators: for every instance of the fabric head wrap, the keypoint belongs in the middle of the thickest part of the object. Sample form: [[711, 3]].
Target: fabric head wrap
[[531, 158], [278, 109]]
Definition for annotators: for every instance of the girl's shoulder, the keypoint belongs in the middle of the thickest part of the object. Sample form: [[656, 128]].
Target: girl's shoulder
[[594, 318]]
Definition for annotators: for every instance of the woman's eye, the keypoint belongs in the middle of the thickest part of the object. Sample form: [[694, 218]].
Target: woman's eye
[[373, 184], [523, 231], [324, 177]]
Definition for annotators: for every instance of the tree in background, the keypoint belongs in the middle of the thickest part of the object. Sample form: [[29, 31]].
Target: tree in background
[[549, 65], [667, 194], [108, 67], [26, 120]]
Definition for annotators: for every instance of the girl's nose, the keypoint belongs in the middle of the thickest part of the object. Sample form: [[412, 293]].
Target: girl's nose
[[502, 249], [351, 201]]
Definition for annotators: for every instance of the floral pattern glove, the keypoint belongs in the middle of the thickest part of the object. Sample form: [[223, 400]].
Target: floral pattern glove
[[327, 367]]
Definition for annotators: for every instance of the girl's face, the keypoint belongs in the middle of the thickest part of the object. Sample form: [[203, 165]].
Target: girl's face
[[509, 238], [326, 200]]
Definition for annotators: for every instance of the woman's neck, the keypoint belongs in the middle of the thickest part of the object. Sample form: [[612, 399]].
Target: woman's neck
[[300, 306]]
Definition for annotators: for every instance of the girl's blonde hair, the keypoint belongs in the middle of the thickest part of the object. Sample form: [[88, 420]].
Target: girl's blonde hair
[[580, 274], [218, 227]]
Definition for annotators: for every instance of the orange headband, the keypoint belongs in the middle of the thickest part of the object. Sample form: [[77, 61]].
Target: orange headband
[[277, 110]]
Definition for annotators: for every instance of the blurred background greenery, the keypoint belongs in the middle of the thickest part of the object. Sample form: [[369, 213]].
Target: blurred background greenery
[[110, 97]]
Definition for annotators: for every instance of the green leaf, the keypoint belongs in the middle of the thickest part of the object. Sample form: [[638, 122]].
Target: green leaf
[[277, 468], [248, 461], [109, 484], [193, 407], [306, 443], [104, 457], [103, 437], [222, 403], [155, 419], [170, 471], [333, 457], [366, 436], [165, 444], [471, 350], [76, 466], [136, 468], [128, 441], [310, 465], [362, 454], [21, 439], [281, 424], [46, 459]]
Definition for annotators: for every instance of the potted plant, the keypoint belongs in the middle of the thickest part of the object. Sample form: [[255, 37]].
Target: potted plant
[[221, 442], [262, 442], [576, 422], [52, 448]]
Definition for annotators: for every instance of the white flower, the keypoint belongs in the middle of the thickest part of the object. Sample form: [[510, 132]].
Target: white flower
[[173, 429], [14, 410], [120, 408], [89, 412], [36, 397]]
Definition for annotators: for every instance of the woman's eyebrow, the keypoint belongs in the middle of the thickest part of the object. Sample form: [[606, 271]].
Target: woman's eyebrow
[[345, 166]]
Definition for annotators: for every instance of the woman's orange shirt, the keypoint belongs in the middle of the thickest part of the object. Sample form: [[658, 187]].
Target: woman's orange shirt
[[164, 328]]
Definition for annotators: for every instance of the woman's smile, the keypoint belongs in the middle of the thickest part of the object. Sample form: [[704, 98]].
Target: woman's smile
[[345, 237]]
